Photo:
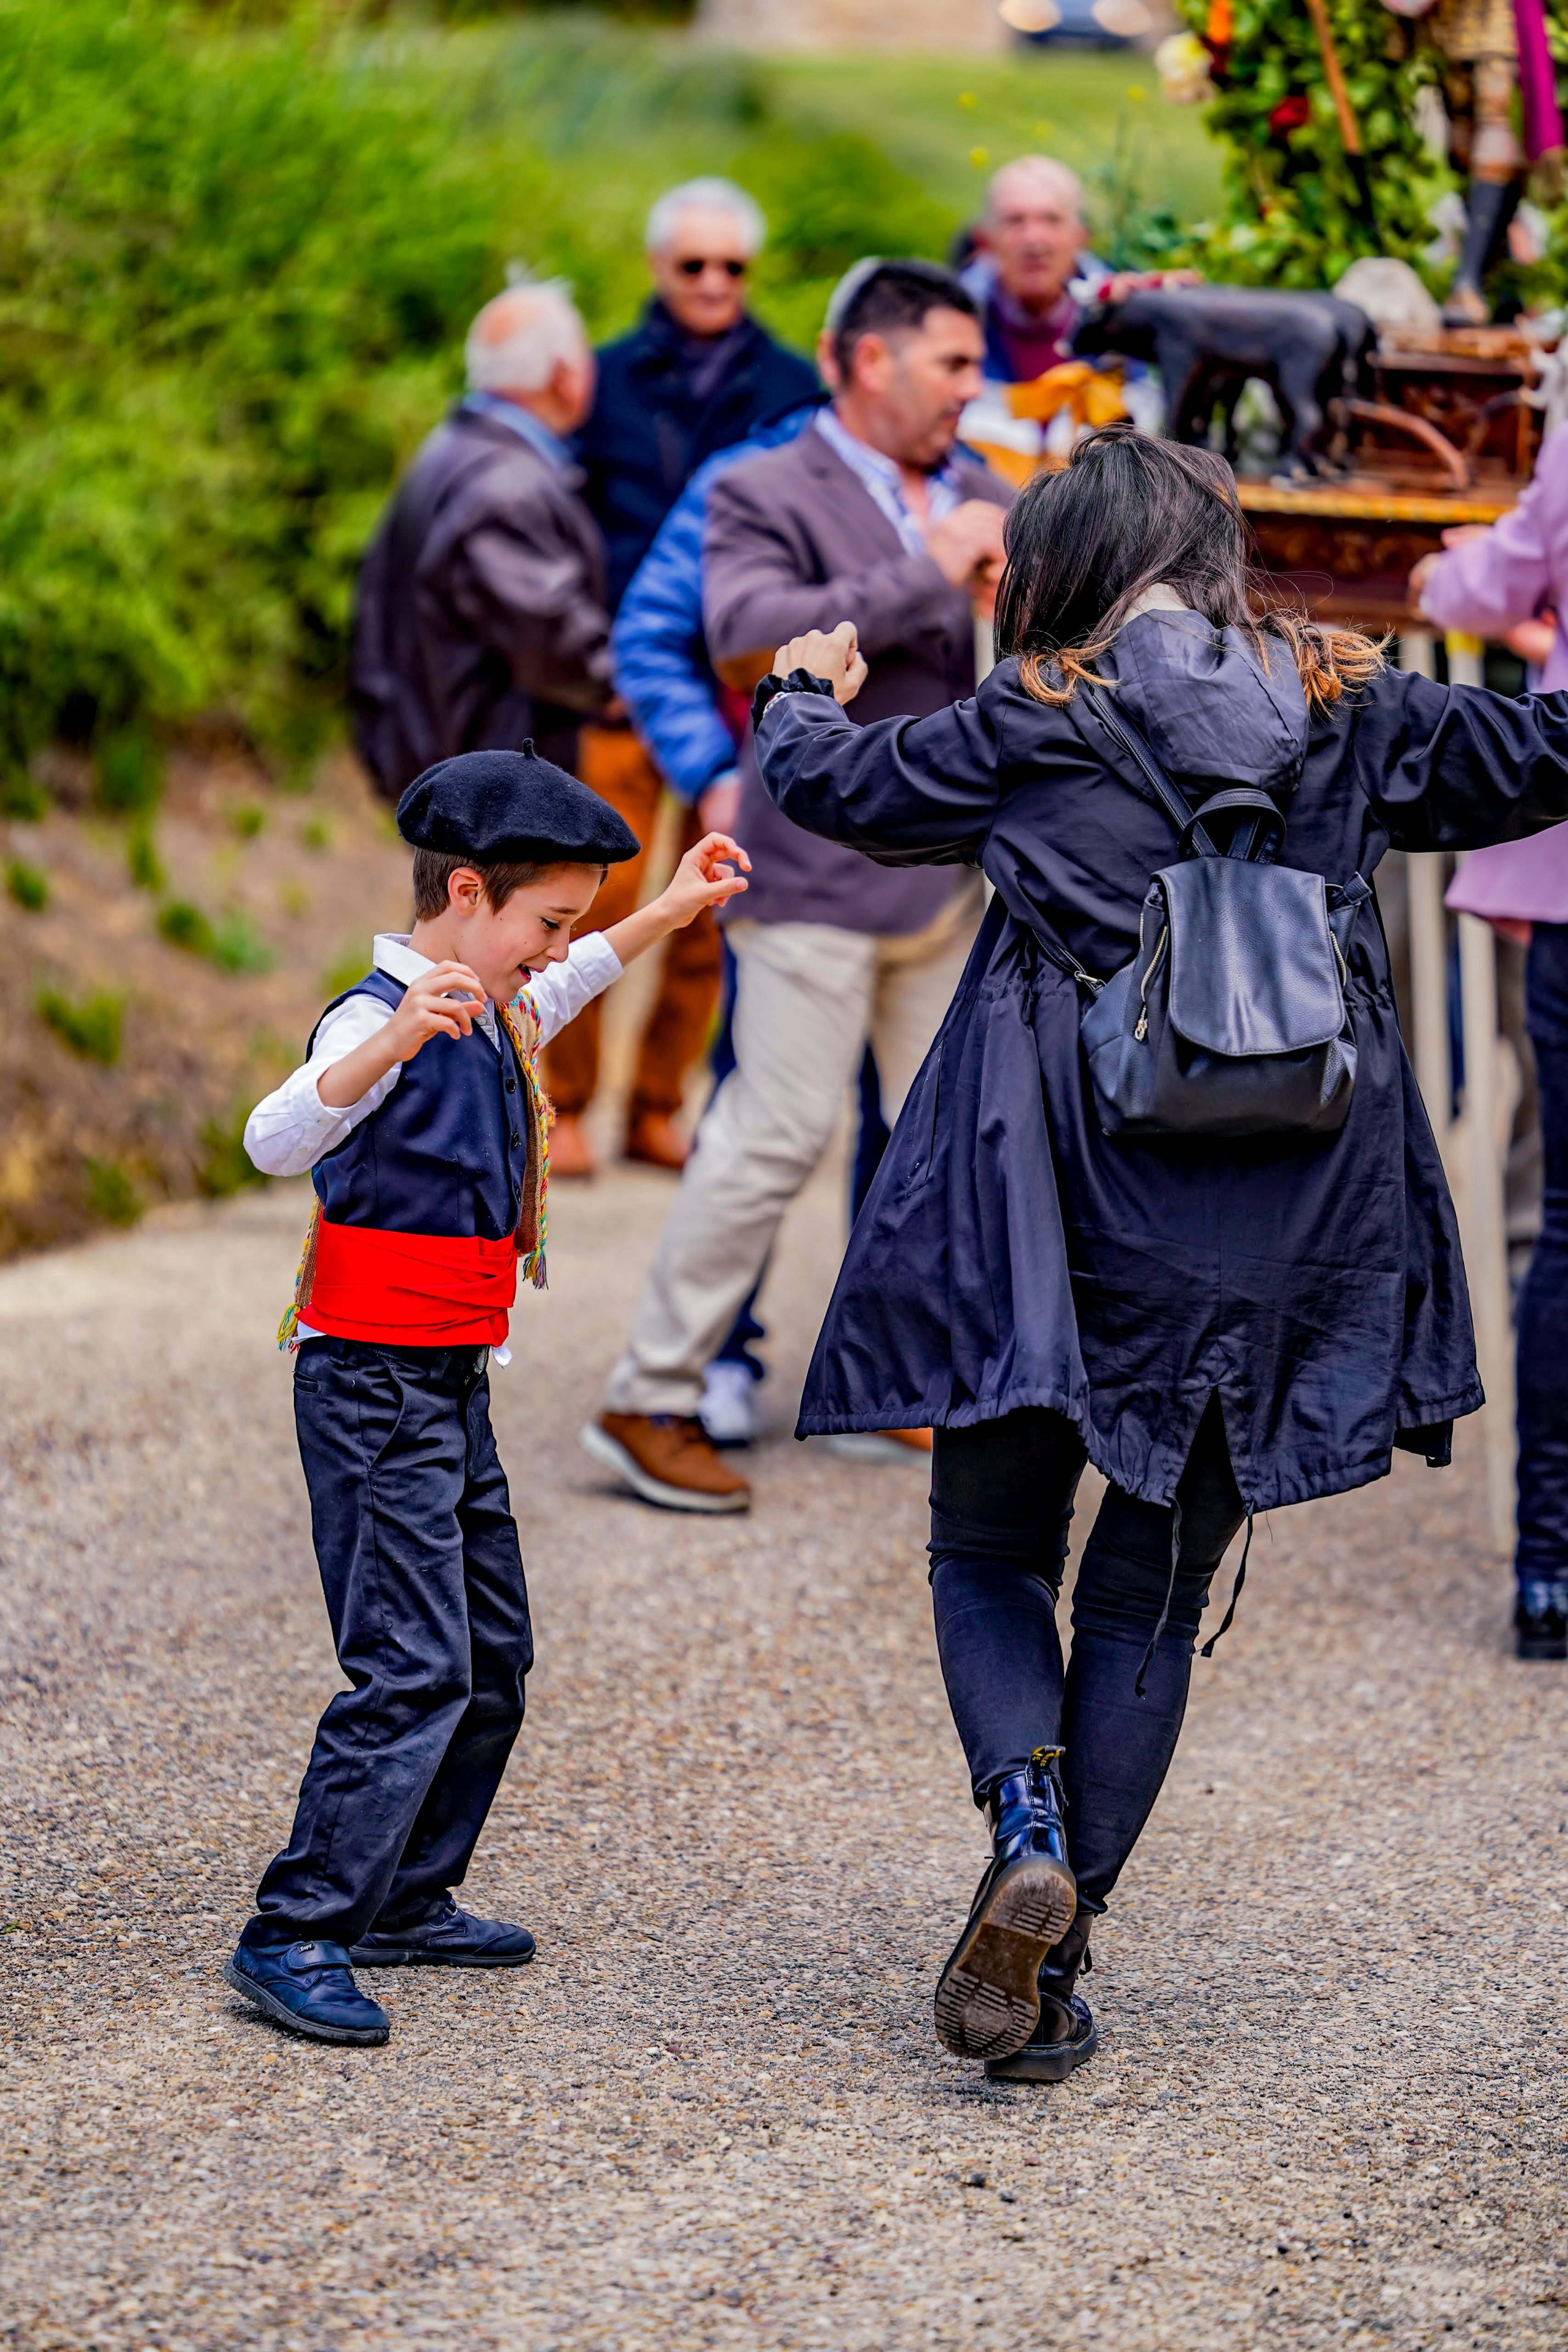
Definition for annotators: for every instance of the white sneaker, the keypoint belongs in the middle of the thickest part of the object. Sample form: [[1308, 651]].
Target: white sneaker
[[729, 1409]]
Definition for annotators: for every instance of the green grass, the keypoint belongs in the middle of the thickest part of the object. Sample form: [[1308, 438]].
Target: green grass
[[238, 946], [233, 943], [1062, 102], [184, 926], [142, 863], [227, 1167], [90, 1027], [112, 1194], [339, 977], [27, 885]]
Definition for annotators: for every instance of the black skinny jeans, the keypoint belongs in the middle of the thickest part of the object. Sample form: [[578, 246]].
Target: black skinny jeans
[[1002, 1503], [1542, 1556]]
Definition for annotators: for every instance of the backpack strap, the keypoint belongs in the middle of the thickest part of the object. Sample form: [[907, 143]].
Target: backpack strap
[[1131, 739], [1233, 799]]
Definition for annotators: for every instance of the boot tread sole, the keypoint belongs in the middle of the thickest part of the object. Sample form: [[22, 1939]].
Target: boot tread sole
[[987, 1998]]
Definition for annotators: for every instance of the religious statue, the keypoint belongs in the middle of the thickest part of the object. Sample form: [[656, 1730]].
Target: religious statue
[[1489, 50]]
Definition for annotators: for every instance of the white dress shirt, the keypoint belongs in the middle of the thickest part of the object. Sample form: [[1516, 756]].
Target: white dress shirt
[[883, 478], [293, 1127]]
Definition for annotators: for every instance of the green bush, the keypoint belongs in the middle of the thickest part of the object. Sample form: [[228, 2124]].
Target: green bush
[[238, 946], [226, 1166], [110, 1194], [184, 926], [129, 773], [142, 862], [22, 797], [27, 885], [90, 1028], [233, 943], [339, 977]]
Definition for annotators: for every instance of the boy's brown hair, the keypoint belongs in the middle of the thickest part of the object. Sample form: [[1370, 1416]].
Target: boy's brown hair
[[433, 869]]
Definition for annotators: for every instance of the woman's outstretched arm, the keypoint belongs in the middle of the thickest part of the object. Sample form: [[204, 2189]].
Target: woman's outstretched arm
[[908, 791], [1456, 767]]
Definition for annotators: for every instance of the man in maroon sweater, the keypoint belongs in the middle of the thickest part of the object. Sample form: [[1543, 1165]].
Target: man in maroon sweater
[[1031, 245]]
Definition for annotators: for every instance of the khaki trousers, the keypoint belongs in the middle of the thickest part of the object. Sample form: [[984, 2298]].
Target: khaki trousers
[[809, 997], [612, 762]]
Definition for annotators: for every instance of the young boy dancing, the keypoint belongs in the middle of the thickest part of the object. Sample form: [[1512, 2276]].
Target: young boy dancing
[[419, 1114]]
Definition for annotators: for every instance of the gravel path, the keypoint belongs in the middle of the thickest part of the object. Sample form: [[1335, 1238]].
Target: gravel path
[[1329, 2108]]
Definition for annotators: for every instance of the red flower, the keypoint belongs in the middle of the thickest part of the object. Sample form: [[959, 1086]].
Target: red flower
[[1289, 115]]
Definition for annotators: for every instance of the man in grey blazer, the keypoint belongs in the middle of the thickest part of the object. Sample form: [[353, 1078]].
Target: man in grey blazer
[[870, 515]]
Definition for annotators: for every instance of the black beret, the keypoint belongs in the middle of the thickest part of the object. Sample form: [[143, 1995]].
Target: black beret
[[511, 808]]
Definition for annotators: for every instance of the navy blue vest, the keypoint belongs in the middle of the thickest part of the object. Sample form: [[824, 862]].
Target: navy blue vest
[[447, 1152]]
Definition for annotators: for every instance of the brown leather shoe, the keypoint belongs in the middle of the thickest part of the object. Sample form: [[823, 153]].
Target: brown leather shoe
[[667, 1459], [571, 1153], [653, 1137], [879, 1445]]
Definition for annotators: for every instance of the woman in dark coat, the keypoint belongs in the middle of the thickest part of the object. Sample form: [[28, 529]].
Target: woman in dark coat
[[1218, 1326]]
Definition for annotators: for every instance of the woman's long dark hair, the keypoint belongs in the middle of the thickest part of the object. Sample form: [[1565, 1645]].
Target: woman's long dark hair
[[1126, 513]]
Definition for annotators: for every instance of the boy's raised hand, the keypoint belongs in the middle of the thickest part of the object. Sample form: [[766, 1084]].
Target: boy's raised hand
[[441, 1002], [705, 877]]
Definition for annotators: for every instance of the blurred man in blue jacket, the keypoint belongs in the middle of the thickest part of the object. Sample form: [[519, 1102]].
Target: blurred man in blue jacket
[[693, 725]]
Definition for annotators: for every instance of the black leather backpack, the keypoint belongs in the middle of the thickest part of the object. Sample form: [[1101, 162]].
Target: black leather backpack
[[1231, 1018]]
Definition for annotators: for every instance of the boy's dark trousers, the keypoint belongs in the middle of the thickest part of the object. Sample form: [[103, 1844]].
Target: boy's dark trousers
[[424, 1584]]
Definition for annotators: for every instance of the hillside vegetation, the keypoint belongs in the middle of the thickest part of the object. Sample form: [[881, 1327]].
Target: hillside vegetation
[[237, 258], [236, 267]]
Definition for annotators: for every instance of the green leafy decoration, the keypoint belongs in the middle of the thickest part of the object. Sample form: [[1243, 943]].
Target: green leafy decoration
[[1292, 214]]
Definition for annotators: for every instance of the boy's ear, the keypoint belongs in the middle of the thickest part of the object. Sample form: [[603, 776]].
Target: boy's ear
[[465, 888]]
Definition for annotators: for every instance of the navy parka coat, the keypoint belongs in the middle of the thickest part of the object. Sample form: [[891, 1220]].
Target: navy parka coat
[[1009, 1253]]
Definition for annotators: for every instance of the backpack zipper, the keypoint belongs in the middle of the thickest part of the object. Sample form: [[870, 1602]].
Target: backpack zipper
[[1151, 968]]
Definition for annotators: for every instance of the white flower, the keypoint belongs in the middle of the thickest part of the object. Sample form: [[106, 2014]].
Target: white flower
[[1182, 63]]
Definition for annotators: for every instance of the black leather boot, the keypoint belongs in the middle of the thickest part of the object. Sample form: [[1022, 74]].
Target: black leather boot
[[987, 1996], [1066, 2034]]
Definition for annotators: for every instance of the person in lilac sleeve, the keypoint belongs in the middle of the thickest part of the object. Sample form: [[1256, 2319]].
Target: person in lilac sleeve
[[1510, 582], [1504, 579]]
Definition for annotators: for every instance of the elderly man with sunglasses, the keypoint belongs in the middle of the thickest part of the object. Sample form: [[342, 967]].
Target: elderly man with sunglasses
[[696, 375]]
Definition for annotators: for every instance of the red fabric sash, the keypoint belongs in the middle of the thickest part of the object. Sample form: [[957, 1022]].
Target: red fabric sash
[[411, 1290]]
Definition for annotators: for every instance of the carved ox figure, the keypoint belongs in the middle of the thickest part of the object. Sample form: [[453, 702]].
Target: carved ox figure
[[1207, 341]]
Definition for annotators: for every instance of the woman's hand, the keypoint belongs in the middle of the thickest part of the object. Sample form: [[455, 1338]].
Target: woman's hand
[[836, 658]]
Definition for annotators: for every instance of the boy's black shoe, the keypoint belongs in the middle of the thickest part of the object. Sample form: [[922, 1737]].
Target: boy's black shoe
[[987, 1996], [444, 1939], [1541, 1622], [1066, 2034], [309, 1989]]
